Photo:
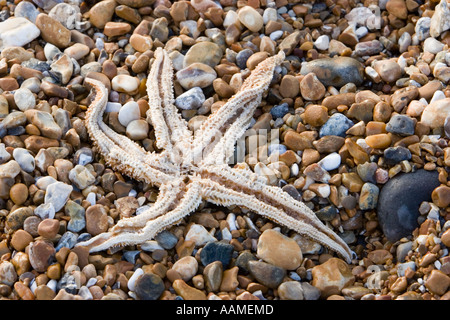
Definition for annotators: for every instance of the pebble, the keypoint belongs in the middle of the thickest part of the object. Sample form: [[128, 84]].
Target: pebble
[[186, 267], [311, 88], [335, 71], [279, 111], [149, 286], [322, 42], [389, 70], [53, 31], [213, 274], [125, 83], [45, 122], [64, 68], [330, 162], [40, 253], [45, 211], [290, 290], [394, 155], [96, 219], [331, 277], [432, 45], [17, 32], [26, 10], [196, 75], [435, 113], [101, 13], [440, 20], [279, 250], [216, 251], [401, 125], [129, 112], [48, 228], [68, 15], [24, 99], [336, 125], [57, 194], [192, 99], [269, 275], [441, 196], [204, 52], [137, 129], [422, 28], [187, 292], [399, 201], [250, 18], [199, 235], [24, 159], [438, 282], [8, 275]]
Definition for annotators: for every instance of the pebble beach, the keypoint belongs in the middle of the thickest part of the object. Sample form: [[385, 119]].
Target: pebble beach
[[360, 108]]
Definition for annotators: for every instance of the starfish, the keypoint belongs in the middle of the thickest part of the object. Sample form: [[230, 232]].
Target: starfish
[[192, 168]]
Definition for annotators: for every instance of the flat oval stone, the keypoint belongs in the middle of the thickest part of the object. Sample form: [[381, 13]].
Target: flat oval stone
[[196, 75], [399, 201], [205, 52], [335, 71]]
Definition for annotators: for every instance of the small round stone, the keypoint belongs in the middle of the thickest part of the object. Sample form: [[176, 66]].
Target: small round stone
[[149, 287], [18, 193], [137, 129], [20, 240], [129, 112]]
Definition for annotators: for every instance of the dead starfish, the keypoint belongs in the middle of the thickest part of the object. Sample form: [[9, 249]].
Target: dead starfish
[[191, 168]]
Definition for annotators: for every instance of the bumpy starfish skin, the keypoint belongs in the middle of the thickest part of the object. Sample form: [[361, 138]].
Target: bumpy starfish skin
[[191, 169]]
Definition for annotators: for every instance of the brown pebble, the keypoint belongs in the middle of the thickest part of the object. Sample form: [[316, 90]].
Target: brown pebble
[[18, 193], [48, 228], [21, 239]]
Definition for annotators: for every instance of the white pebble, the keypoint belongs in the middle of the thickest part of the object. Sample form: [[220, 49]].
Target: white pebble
[[276, 35], [91, 282], [132, 281], [226, 234], [24, 99], [438, 95], [331, 161], [322, 42], [91, 198], [24, 159], [231, 220], [130, 111], [294, 170]]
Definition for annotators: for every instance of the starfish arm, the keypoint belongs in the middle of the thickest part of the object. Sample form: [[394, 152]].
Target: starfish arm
[[270, 202], [171, 130], [168, 197], [188, 203], [224, 127], [118, 150]]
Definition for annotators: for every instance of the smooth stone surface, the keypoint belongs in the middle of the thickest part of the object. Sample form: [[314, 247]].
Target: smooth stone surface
[[335, 71], [435, 113], [399, 201], [149, 287], [17, 32]]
